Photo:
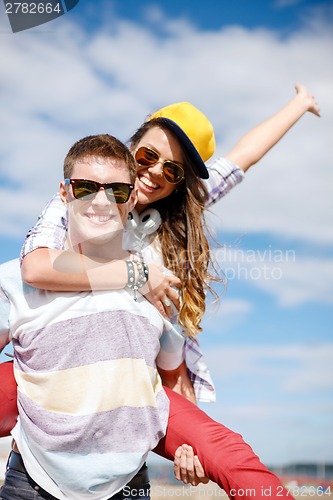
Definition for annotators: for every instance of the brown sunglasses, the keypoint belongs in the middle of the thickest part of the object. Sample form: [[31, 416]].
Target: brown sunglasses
[[147, 157]]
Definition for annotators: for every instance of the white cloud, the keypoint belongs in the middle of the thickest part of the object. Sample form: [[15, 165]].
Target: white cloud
[[281, 433], [292, 279], [304, 281], [276, 397], [226, 313], [306, 367], [60, 85]]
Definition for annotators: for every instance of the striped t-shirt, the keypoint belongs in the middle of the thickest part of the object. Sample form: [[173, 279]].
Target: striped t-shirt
[[91, 404], [50, 232]]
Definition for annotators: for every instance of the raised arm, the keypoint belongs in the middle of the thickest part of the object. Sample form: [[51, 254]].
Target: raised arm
[[226, 172], [256, 143]]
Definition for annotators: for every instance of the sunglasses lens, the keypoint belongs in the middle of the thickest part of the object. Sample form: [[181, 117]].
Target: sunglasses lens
[[146, 157], [173, 172], [119, 192], [84, 189]]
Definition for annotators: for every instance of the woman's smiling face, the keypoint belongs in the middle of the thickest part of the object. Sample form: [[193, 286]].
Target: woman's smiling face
[[151, 183]]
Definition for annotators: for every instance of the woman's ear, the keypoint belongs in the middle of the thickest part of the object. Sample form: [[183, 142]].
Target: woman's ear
[[63, 193]]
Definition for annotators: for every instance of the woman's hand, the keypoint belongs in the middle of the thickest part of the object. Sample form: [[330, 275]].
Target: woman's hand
[[187, 467], [309, 100], [160, 290]]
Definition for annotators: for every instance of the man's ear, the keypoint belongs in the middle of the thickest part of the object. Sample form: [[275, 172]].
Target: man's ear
[[63, 193], [133, 198]]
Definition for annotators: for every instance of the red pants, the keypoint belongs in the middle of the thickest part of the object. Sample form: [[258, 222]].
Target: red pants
[[8, 398], [226, 458]]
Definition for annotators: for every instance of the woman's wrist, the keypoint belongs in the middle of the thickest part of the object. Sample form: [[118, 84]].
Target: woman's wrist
[[137, 274], [108, 275]]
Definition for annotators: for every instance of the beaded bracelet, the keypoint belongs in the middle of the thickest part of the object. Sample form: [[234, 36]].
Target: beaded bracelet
[[143, 275], [130, 273]]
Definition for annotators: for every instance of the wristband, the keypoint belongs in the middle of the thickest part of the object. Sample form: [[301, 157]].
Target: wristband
[[143, 275]]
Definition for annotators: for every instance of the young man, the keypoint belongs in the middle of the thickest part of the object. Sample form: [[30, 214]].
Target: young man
[[91, 403]]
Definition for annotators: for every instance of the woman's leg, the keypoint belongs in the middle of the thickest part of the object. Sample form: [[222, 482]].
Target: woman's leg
[[225, 457], [8, 398]]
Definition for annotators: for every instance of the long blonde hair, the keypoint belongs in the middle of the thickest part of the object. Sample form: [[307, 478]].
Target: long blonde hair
[[183, 239]]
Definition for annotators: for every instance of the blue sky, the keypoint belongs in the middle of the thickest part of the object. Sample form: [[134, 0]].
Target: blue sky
[[107, 64]]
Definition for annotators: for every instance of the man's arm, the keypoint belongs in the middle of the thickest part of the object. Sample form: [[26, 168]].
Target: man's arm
[[170, 361], [179, 381], [187, 466]]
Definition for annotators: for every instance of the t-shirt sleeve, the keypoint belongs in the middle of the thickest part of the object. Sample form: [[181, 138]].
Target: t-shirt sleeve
[[50, 229], [172, 343], [4, 319]]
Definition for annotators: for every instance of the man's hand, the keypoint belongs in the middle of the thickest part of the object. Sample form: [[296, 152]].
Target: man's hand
[[179, 381], [187, 467]]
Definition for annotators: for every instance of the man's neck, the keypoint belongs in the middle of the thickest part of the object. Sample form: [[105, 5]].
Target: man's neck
[[113, 250]]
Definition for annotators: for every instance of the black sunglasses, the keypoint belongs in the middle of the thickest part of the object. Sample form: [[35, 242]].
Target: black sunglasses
[[173, 171], [83, 189]]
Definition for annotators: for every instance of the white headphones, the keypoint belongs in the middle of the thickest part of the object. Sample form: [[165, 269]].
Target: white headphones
[[146, 223]]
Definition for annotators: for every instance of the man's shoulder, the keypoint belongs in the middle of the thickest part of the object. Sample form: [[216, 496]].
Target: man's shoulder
[[10, 269], [13, 265]]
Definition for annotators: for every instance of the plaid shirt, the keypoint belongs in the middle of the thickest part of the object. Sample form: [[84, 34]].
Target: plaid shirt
[[223, 176], [50, 232], [198, 371]]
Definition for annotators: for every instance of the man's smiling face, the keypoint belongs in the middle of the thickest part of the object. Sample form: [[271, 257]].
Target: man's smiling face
[[97, 220]]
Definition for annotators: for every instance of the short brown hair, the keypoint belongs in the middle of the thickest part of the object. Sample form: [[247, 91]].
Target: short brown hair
[[102, 146]]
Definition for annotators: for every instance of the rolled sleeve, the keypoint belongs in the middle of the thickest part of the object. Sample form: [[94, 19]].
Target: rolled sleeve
[[50, 229], [223, 176], [198, 371]]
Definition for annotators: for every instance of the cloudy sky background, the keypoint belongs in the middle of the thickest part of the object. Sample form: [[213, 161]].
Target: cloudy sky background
[[106, 65]]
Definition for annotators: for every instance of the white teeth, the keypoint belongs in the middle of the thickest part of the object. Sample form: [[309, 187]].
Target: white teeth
[[100, 218], [148, 183]]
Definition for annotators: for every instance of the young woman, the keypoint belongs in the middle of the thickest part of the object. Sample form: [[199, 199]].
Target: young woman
[[170, 156]]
